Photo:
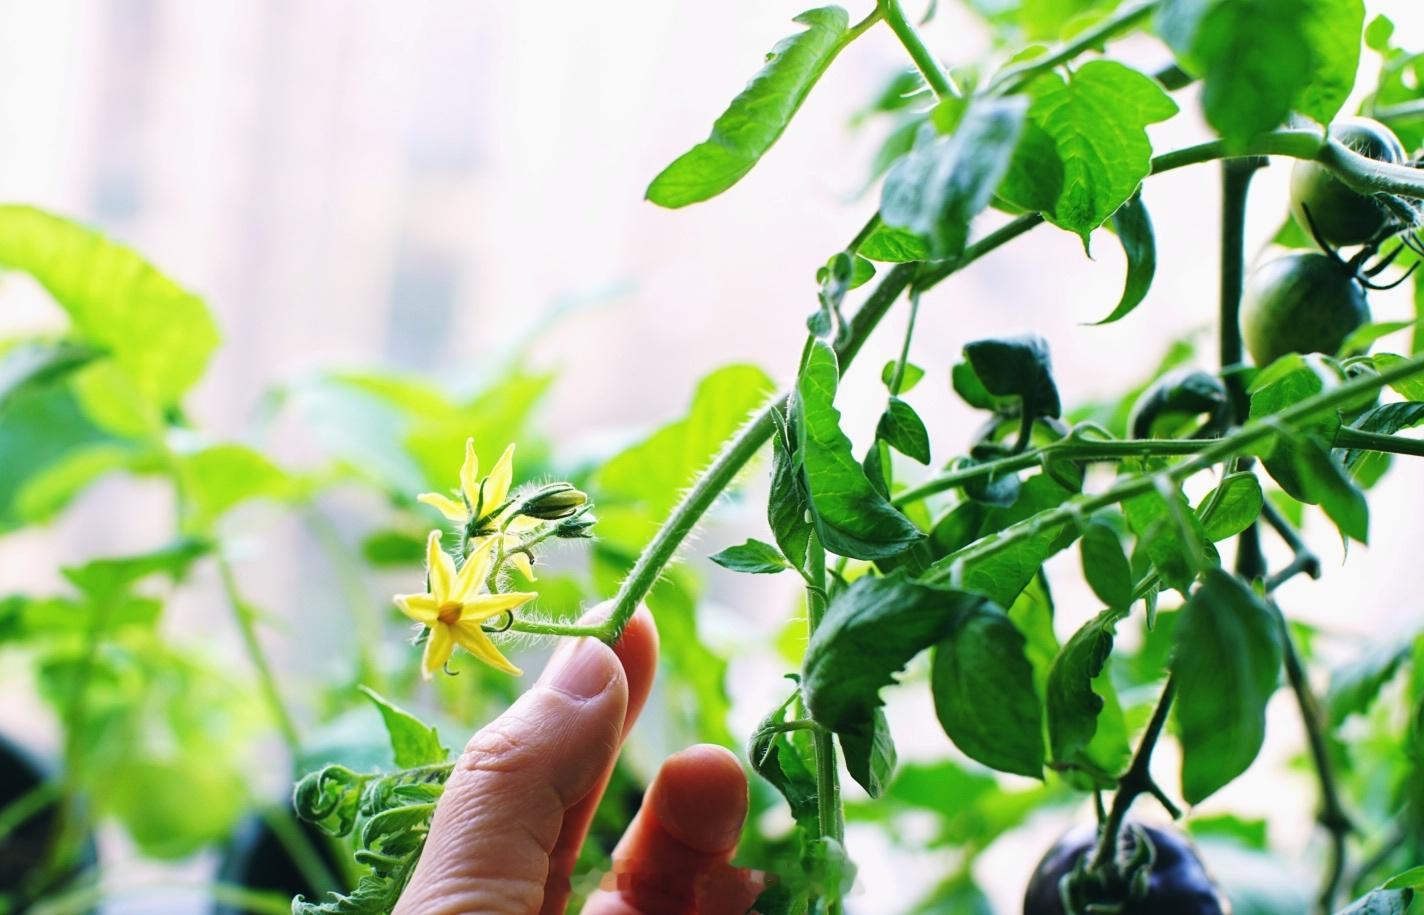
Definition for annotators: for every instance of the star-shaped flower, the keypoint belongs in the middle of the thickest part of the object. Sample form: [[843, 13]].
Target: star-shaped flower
[[482, 498], [454, 608]]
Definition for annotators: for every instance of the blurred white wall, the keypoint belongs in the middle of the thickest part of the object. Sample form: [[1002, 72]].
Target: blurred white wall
[[413, 184]]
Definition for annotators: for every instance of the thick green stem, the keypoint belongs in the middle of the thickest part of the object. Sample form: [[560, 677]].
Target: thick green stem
[[1015, 78], [1136, 781], [828, 785], [244, 617], [724, 469], [1377, 441], [925, 61]]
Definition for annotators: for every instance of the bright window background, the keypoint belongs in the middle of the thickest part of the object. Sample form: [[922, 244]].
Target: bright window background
[[418, 185]]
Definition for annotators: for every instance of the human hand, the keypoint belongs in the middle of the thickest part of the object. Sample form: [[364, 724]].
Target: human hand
[[517, 807]]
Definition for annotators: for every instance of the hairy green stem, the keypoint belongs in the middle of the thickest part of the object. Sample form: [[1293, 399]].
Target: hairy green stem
[[828, 785], [1239, 442], [1136, 781], [1015, 78], [1378, 441], [924, 59]]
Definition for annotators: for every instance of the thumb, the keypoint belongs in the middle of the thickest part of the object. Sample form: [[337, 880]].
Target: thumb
[[505, 801]]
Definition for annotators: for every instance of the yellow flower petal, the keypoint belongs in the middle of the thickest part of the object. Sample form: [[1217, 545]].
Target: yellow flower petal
[[441, 568], [521, 562], [470, 473], [445, 505], [483, 607], [499, 479], [472, 573], [437, 649], [420, 607], [474, 640]]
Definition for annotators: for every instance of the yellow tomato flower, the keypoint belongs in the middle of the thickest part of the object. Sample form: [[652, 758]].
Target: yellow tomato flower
[[484, 496], [454, 608]]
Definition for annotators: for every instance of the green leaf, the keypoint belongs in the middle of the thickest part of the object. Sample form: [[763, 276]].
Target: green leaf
[[102, 579], [393, 548], [1355, 685], [851, 517], [1017, 367], [912, 376], [38, 362], [1388, 419], [969, 388], [787, 510], [1261, 59], [1227, 662], [787, 760], [902, 429], [870, 755], [1171, 535], [43, 428], [220, 478], [870, 631], [1133, 226], [1231, 507], [754, 557], [984, 695], [1073, 707], [1381, 901], [1094, 124], [945, 182], [159, 334], [1411, 388], [1320, 480], [757, 116], [893, 246], [413, 742], [1105, 566]]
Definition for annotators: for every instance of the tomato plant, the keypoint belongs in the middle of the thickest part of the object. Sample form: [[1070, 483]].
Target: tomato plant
[[919, 571]]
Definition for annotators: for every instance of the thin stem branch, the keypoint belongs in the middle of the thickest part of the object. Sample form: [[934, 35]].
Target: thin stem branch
[[244, 617], [1135, 781], [899, 376], [828, 785], [1376, 441], [1015, 78], [925, 61], [1332, 814]]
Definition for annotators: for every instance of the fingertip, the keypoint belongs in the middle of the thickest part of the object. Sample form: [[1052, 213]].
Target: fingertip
[[700, 798]]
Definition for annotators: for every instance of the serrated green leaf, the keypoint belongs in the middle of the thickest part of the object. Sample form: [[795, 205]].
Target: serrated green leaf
[[984, 694], [851, 517], [1094, 125], [870, 631], [901, 428], [1226, 665], [944, 182], [893, 246], [413, 742], [754, 557], [1105, 566], [757, 116], [870, 755]]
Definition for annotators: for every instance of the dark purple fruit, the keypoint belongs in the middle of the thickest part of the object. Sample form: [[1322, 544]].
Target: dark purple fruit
[[1177, 884]]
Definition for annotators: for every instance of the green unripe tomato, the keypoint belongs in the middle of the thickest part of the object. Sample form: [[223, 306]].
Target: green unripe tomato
[[1341, 215], [1301, 303]]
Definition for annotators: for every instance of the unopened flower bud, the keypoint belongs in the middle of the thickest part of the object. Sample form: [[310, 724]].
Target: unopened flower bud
[[577, 526], [553, 502]]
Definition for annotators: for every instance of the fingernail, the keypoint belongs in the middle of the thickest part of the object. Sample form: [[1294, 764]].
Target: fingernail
[[583, 671]]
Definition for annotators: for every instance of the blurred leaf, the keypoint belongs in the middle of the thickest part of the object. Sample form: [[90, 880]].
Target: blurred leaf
[[984, 694], [756, 117], [913, 374], [103, 579], [393, 548], [37, 362], [39, 429], [1226, 666], [160, 334], [754, 556], [851, 517], [219, 478], [1094, 125], [944, 182], [413, 742], [1355, 685]]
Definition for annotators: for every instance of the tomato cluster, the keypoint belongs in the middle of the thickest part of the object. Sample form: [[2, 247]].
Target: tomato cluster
[[1312, 302]]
